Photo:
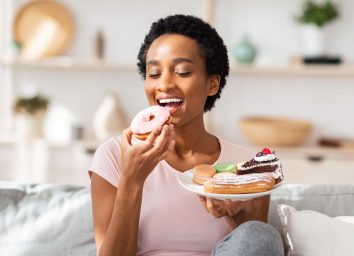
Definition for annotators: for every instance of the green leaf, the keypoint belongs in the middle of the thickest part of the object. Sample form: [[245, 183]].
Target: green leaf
[[318, 14]]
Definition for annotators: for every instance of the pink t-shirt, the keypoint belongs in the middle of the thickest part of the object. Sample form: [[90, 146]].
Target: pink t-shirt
[[173, 222]]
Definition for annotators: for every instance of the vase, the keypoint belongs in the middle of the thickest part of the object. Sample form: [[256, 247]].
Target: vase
[[313, 41], [29, 126], [245, 52], [110, 119]]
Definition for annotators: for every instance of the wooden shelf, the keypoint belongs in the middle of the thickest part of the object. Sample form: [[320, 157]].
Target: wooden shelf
[[290, 70], [310, 70], [313, 151], [11, 142], [69, 63], [298, 150]]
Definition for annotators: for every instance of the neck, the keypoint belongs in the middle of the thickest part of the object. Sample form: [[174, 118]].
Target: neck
[[191, 138]]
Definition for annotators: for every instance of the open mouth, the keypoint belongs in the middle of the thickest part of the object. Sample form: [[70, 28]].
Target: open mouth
[[170, 102]]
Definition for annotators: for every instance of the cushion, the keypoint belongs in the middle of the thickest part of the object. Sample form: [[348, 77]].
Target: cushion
[[310, 233], [329, 199], [45, 220]]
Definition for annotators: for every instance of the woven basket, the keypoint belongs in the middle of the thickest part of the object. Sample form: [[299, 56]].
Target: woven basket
[[266, 131]]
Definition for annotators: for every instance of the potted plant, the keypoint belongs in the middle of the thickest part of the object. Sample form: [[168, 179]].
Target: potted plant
[[29, 116], [315, 17]]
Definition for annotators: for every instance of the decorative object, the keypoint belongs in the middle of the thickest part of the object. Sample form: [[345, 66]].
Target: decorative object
[[13, 50], [315, 17], [270, 131], [30, 114], [99, 45], [77, 132], [245, 51], [110, 119], [43, 28]]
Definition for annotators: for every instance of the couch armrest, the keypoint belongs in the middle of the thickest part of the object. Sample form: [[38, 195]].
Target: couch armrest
[[45, 220]]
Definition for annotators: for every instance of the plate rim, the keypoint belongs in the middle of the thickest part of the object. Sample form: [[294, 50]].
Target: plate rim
[[226, 196]]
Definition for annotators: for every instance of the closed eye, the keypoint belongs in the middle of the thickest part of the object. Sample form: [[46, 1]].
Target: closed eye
[[183, 74], [153, 75]]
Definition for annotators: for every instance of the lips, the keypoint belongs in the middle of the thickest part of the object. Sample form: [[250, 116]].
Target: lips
[[172, 103]]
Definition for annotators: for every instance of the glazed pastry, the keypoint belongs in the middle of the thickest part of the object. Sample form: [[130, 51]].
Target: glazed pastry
[[225, 167], [148, 119], [202, 173], [264, 162], [229, 183]]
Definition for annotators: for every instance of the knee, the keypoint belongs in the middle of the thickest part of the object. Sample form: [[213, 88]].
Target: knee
[[261, 229], [263, 235], [251, 238]]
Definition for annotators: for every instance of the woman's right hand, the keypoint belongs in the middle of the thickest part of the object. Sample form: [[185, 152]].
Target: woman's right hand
[[138, 160]]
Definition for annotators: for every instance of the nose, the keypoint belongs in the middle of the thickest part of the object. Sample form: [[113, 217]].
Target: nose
[[166, 82]]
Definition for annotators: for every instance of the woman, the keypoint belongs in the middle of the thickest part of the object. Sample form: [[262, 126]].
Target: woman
[[138, 206]]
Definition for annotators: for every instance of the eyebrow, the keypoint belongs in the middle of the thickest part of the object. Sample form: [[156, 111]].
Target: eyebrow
[[175, 61]]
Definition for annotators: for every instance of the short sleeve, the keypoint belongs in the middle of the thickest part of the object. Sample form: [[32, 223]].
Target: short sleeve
[[105, 162]]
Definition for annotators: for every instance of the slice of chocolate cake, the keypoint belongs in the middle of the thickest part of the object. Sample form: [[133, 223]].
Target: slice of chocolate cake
[[264, 162]]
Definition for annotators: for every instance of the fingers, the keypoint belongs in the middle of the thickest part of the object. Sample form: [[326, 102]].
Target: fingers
[[127, 137], [166, 152], [152, 137], [234, 207], [213, 206], [162, 142], [222, 208], [169, 146]]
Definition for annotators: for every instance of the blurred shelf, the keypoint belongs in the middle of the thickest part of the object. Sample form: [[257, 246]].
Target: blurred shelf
[[313, 152], [304, 70], [72, 63], [69, 63], [11, 142]]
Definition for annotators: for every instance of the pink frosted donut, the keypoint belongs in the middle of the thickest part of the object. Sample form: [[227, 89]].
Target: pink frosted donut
[[148, 119]]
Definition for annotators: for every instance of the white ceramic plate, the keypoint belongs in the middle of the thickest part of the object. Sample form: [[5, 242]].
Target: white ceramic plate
[[186, 180]]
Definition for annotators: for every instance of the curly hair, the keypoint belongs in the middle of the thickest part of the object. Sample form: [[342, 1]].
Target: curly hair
[[212, 47]]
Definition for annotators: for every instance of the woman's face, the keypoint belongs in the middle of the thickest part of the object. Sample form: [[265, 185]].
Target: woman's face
[[176, 77]]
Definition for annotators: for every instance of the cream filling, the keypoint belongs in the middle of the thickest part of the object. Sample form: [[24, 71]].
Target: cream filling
[[242, 179], [263, 158]]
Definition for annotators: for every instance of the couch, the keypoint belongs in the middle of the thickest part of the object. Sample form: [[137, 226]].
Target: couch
[[55, 220]]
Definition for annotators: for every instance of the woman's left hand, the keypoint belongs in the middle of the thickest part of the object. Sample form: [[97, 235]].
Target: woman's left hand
[[236, 212]]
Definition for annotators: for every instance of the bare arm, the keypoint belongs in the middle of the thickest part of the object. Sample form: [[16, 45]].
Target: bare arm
[[116, 212], [111, 220]]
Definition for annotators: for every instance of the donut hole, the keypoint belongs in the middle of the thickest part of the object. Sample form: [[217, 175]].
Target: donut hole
[[151, 117]]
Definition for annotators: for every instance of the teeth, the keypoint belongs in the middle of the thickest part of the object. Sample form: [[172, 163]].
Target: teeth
[[170, 100]]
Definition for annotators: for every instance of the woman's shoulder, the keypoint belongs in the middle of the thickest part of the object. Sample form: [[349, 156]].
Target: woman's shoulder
[[231, 150], [113, 144], [105, 161]]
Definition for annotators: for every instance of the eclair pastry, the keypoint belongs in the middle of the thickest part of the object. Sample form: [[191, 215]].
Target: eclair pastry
[[229, 183]]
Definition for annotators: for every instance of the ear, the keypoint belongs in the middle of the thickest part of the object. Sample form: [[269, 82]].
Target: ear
[[214, 84]]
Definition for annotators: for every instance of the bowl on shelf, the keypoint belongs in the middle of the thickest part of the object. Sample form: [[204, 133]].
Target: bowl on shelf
[[272, 131]]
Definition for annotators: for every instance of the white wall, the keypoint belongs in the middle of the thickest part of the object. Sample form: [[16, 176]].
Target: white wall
[[325, 101], [272, 27]]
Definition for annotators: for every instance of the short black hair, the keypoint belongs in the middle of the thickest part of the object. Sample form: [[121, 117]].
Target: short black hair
[[212, 46]]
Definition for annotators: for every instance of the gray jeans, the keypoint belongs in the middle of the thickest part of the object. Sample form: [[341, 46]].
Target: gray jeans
[[252, 238]]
